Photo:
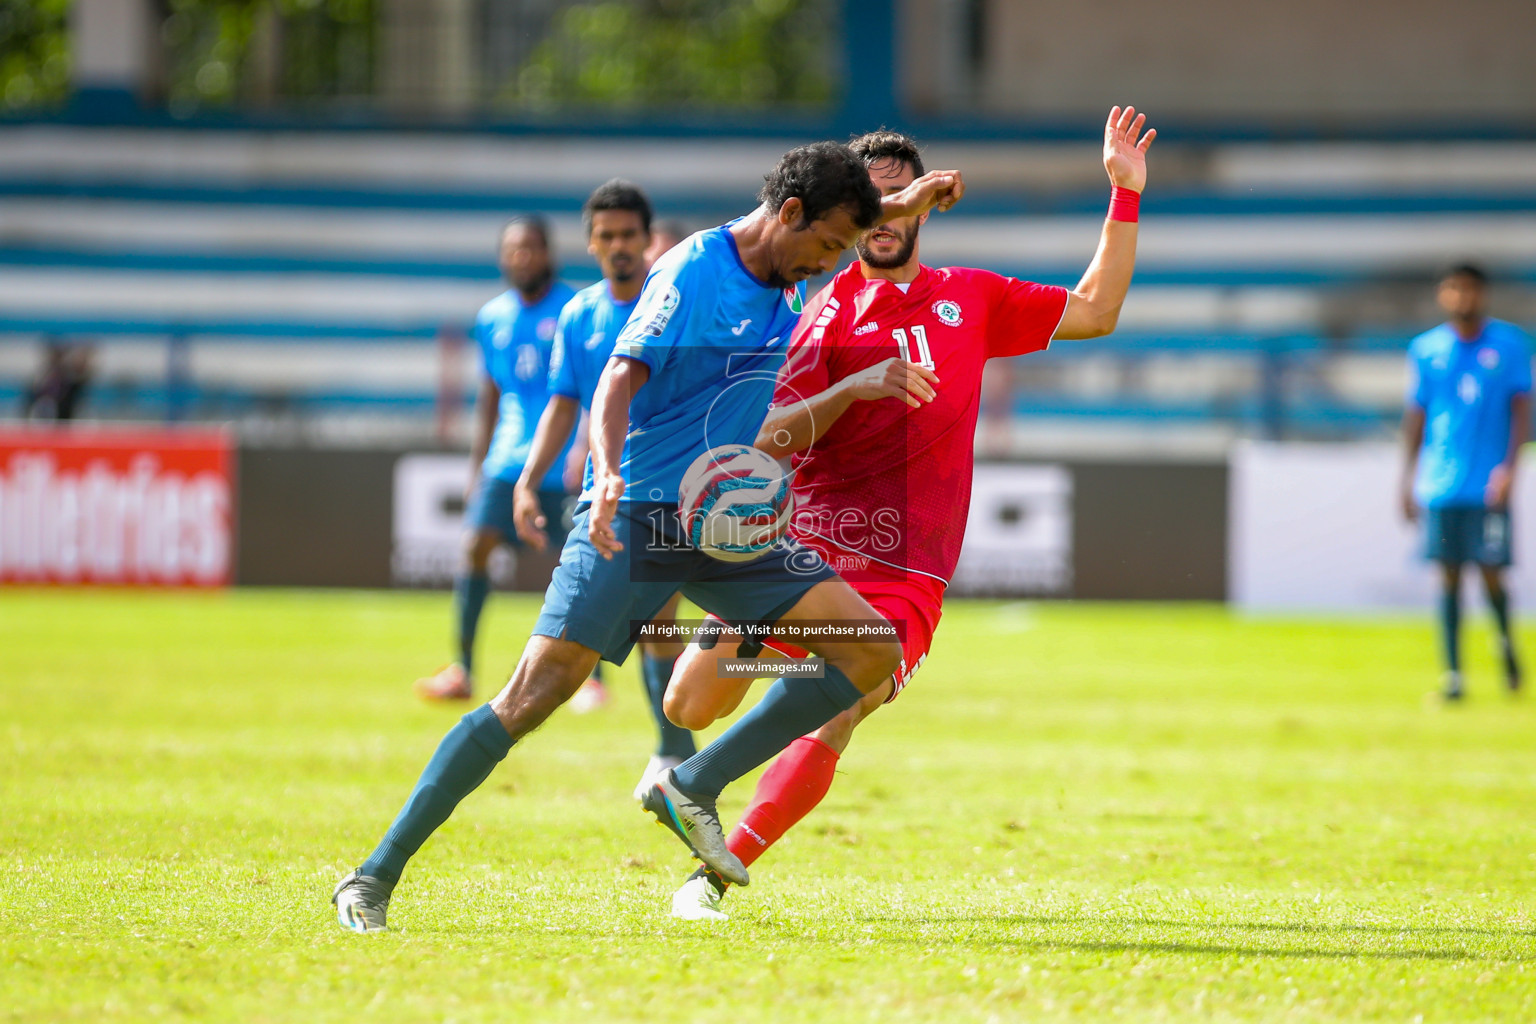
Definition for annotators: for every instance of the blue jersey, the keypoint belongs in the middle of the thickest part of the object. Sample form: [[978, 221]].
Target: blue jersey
[[589, 325], [515, 343], [714, 338], [1465, 388]]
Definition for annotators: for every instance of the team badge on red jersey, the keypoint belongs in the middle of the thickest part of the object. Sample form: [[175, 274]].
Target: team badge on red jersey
[[948, 312]]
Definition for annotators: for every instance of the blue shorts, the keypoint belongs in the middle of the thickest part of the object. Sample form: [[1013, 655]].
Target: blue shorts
[[602, 604], [491, 509], [1467, 534]]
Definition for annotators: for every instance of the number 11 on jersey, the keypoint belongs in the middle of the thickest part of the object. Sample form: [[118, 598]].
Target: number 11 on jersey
[[919, 335]]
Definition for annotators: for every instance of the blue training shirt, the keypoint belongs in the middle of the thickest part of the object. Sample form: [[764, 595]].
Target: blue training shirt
[[515, 344], [1464, 388], [714, 338], [589, 325]]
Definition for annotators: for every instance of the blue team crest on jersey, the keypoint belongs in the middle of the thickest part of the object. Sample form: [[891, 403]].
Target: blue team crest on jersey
[[530, 365], [793, 300], [669, 304], [1488, 358]]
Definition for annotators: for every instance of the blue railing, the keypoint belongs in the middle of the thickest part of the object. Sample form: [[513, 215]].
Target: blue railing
[[1272, 408]]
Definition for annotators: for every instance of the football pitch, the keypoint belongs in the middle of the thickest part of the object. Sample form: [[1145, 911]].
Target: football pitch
[[1076, 812]]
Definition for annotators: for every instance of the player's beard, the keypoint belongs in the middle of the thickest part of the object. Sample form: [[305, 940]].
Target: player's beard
[[623, 271], [534, 284], [900, 258]]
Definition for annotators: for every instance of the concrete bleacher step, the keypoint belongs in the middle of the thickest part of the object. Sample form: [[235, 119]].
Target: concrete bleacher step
[[326, 264]]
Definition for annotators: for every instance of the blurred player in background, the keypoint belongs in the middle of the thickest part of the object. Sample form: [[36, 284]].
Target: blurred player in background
[[59, 389], [1468, 413], [877, 408], [665, 234], [715, 315], [515, 333], [617, 217]]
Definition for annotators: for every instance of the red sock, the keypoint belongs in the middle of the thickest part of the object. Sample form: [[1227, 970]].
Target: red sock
[[795, 782]]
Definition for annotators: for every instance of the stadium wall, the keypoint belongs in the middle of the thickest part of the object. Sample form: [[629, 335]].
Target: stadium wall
[[1308, 62], [1072, 528]]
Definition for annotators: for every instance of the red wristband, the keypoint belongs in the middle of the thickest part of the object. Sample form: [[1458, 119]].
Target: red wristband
[[1124, 204]]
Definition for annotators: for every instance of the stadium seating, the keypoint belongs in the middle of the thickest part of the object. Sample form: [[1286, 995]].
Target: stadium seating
[[245, 274]]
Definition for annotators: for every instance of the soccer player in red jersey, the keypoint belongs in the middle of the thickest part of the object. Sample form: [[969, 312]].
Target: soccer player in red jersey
[[876, 408]]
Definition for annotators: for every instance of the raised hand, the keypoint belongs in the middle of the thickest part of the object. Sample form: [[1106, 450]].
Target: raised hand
[[941, 189], [1125, 156]]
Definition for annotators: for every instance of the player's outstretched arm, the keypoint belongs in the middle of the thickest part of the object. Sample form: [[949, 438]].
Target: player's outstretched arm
[[1093, 308], [610, 423], [936, 189], [798, 425], [555, 425]]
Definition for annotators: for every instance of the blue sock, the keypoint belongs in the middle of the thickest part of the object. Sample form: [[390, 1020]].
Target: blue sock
[[1498, 600], [462, 761], [1450, 627], [672, 740], [469, 593], [787, 711]]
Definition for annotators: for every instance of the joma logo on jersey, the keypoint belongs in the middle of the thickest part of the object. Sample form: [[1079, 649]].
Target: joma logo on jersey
[[948, 312]]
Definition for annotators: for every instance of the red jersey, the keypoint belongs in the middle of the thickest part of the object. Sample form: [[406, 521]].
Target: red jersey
[[887, 481]]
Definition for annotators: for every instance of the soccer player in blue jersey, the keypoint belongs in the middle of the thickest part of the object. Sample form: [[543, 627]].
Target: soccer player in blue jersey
[[617, 217], [694, 368], [1468, 413], [515, 333]]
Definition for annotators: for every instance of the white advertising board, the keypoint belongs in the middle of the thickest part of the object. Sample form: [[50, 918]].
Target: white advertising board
[[1318, 526], [1018, 536]]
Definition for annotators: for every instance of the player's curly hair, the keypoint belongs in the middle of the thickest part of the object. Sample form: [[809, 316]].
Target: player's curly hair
[[823, 176], [617, 194], [884, 144], [535, 222]]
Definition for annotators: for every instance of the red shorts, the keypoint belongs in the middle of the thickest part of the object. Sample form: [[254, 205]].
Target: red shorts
[[911, 600]]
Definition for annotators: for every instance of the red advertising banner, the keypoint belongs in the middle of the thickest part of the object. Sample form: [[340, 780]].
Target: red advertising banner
[[133, 507]]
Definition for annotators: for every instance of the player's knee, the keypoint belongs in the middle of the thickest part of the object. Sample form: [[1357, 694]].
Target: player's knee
[[478, 546], [688, 710], [867, 664]]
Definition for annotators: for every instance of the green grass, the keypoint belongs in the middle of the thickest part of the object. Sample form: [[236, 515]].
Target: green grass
[[1075, 813]]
